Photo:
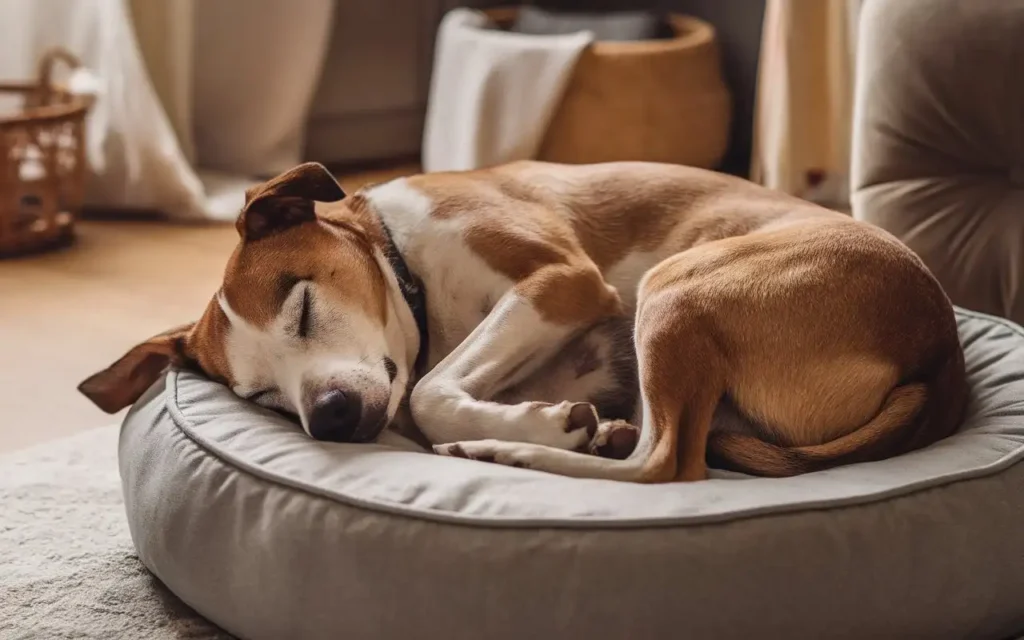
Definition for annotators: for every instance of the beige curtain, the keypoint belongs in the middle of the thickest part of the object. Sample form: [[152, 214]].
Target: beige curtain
[[804, 102], [197, 99]]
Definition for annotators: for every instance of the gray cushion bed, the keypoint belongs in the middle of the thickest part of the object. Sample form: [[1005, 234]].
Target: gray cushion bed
[[272, 535]]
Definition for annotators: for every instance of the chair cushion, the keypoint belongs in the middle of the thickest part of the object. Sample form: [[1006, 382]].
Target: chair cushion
[[938, 141]]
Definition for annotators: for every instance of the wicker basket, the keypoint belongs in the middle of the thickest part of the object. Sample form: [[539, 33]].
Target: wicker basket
[[658, 100], [42, 161]]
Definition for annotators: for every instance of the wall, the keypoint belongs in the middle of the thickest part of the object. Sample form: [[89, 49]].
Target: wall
[[373, 108], [738, 23]]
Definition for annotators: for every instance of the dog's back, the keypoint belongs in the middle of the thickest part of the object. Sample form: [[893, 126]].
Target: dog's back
[[839, 345]]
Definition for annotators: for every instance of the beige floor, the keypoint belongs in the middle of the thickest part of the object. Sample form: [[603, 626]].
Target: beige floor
[[67, 314]]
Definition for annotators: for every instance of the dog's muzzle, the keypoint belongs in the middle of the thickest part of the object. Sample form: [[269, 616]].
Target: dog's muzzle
[[340, 416]]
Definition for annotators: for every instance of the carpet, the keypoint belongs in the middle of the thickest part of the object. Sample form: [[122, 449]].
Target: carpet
[[68, 568]]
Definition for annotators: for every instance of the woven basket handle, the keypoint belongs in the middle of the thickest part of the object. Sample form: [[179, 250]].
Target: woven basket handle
[[49, 61]]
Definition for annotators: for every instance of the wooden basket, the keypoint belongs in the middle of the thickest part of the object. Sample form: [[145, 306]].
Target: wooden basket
[[661, 100], [42, 161]]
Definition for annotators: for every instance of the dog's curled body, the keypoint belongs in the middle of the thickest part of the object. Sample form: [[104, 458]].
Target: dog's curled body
[[824, 338]]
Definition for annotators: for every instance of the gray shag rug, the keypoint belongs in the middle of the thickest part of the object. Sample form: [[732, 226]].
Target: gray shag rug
[[68, 568]]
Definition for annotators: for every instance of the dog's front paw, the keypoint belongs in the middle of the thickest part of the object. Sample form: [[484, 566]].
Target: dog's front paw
[[580, 416], [614, 439], [511, 454], [566, 425]]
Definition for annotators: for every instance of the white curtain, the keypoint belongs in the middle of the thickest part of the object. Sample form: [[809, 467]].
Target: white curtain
[[804, 104], [197, 99]]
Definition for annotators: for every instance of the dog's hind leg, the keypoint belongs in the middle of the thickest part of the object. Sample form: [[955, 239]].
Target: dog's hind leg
[[683, 378]]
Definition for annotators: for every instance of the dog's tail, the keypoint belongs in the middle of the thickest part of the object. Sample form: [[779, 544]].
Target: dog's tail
[[913, 416]]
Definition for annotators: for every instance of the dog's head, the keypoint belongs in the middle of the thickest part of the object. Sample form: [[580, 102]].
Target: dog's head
[[309, 321]]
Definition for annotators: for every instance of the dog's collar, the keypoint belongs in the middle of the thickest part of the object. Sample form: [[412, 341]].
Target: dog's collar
[[412, 292]]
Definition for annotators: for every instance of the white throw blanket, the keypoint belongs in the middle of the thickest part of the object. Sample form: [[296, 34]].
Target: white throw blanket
[[493, 93]]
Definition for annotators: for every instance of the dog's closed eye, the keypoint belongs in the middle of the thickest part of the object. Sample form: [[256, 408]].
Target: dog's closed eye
[[305, 313]]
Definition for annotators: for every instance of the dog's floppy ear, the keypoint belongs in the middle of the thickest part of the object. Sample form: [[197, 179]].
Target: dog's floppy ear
[[286, 200], [121, 384]]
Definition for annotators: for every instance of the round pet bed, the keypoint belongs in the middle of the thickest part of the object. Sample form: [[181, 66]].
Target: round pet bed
[[272, 535]]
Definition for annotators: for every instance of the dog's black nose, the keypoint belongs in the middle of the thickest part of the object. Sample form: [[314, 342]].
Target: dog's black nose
[[335, 416]]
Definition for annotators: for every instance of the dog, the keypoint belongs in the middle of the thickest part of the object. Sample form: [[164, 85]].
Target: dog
[[628, 321]]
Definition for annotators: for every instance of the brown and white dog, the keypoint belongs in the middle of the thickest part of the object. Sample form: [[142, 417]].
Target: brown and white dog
[[521, 314]]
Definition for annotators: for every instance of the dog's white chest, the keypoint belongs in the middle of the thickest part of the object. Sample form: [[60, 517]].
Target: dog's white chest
[[461, 290], [461, 287]]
